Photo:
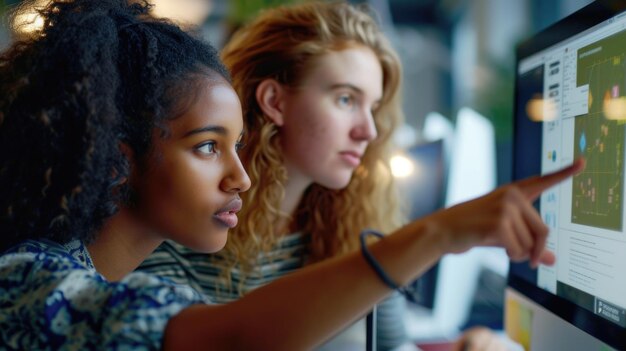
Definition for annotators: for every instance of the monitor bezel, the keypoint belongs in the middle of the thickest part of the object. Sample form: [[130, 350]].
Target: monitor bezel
[[583, 19]]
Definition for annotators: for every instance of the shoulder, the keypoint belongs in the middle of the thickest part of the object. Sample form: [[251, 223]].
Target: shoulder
[[49, 298], [31, 259]]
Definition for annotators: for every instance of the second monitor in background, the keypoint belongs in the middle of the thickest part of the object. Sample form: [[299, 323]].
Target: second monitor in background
[[422, 185]]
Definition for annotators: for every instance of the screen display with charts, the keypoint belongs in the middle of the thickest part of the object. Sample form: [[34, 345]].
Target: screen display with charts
[[570, 102]]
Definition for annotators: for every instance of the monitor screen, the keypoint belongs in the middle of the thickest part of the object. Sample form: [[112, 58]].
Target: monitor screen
[[570, 102], [424, 190]]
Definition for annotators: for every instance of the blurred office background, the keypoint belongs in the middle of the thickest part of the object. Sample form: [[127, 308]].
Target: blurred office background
[[458, 58]]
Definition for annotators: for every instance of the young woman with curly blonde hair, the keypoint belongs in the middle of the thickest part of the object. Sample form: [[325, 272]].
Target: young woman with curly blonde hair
[[320, 86]]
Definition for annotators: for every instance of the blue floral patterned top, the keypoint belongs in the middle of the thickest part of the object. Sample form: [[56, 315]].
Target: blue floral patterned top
[[52, 298]]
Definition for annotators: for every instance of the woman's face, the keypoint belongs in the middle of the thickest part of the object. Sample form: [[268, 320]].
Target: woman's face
[[189, 190], [328, 118]]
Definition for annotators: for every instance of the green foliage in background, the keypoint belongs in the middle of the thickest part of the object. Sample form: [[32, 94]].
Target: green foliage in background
[[242, 10]]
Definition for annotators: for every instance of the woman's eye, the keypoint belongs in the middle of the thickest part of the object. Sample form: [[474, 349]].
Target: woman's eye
[[345, 101], [206, 148]]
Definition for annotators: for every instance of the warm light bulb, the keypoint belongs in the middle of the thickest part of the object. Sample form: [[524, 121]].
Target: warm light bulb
[[28, 20], [401, 166], [183, 12], [541, 110]]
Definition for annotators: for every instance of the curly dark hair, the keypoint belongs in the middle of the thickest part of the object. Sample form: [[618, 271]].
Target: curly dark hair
[[99, 73]]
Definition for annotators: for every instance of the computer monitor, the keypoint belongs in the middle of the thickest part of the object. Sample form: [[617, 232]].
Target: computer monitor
[[422, 185], [570, 102], [424, 191]]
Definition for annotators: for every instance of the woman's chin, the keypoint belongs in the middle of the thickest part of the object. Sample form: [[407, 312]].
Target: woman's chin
[[213, 244], [336, 183]]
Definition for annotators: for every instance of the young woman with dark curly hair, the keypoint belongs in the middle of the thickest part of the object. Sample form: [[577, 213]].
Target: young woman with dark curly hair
[[119, 131]]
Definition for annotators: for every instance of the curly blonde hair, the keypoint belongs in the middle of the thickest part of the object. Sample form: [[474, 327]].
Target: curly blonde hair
[[282, 44]]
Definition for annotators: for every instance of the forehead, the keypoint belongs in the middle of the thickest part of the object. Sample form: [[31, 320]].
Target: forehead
[[357, 65], [216, 104]]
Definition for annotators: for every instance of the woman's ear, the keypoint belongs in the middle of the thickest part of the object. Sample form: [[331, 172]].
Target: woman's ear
[[270, 95]]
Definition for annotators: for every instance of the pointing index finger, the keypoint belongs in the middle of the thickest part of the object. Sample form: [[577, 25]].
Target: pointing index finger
[[532, 187]]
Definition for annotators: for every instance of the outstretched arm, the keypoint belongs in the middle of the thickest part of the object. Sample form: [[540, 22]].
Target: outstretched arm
[[301, 310]]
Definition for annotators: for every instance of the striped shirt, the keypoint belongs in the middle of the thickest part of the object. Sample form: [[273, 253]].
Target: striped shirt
[[203, 273]]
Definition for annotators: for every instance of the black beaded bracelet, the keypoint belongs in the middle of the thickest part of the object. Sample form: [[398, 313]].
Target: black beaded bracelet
[[372, 261]]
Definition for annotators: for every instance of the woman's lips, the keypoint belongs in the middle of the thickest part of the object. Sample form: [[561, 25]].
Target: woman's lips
[[227, 215], [351, 158], [228, 219]]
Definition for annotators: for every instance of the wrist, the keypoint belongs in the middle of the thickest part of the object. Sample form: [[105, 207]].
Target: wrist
[[438, 234]]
